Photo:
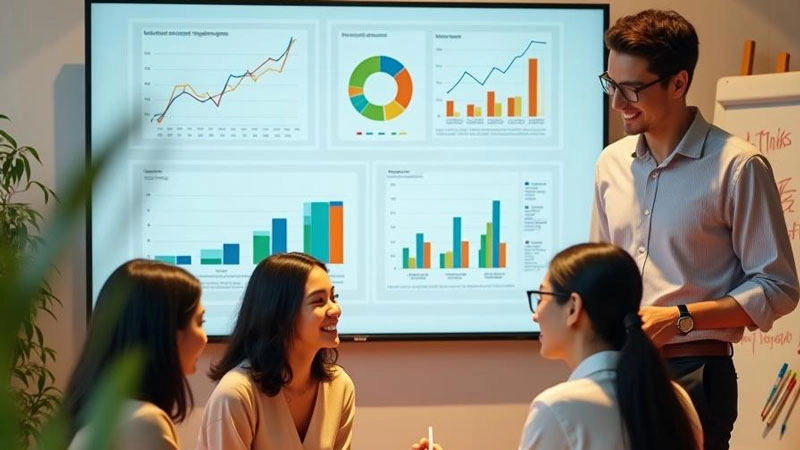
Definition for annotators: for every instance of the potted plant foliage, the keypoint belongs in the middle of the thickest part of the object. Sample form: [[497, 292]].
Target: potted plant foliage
[[31, 381]]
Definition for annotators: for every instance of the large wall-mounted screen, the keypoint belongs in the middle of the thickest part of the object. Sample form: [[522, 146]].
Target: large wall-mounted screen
[[434, 156]]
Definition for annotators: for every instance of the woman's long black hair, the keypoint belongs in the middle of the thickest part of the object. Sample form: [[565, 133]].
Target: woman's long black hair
[[610, 285], [140, 307], [264, 329]]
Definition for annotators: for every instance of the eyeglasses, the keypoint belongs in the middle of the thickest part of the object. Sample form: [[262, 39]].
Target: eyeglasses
[[629, 93], [535, 298]]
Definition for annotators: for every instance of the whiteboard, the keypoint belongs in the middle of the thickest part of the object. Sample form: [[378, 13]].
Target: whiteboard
[[765, 110]]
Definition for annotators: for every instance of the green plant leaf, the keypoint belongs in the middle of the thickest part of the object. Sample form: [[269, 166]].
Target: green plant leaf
[[8, 138], [32, 151]]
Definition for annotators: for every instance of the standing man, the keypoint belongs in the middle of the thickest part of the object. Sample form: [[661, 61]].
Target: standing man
[[699, 211]]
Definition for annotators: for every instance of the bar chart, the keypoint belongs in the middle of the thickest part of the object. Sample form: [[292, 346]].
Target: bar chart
[[495, 85], [218, 222], [492, 253]]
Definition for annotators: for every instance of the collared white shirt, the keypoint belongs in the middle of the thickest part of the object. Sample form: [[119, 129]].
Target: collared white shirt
[[582, 413], [705, 223]]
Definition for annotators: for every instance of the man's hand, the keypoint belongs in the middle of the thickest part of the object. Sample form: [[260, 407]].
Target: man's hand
[[659, 323]]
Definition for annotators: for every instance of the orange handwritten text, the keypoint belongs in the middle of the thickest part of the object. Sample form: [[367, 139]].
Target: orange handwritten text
[[786, 193], [770, 141]]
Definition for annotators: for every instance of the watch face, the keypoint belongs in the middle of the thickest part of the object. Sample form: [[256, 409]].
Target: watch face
[[685, 324]]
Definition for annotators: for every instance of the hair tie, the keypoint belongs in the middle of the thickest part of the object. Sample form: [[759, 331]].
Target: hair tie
[[632, 321]]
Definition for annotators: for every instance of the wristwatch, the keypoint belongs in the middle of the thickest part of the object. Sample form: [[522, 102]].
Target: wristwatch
[[685, 320]]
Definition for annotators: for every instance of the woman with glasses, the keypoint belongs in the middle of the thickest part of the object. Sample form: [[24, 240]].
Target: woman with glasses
[[279, 385], [619, 395]]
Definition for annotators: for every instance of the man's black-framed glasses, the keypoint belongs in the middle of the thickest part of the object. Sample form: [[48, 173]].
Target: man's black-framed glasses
[[629, 93], [535, 298]]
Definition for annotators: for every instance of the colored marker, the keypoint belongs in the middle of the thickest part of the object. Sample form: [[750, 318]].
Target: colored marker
[[789, 412], [782, 402], [774, 390], [774, 400]]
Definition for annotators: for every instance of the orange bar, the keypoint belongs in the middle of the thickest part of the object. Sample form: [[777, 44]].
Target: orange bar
[[336, 234], [470, 110], [450, 108], [502, 254], [464, 254], [490, 103], [511, 106], [426, 262], [533, 76]]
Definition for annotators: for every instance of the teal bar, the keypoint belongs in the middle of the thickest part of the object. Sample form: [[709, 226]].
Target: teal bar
[[441, 260], [405, 257], [320, 231], [210, 256], [167, 259]]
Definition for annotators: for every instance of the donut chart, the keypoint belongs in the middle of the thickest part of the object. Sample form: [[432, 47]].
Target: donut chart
[[391, 67]]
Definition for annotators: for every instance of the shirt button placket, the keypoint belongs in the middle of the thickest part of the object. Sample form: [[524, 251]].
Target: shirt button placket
[[652, 184]]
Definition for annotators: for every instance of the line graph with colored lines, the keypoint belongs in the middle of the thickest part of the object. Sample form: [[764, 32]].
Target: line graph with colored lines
[[231, 84], [250, 84]]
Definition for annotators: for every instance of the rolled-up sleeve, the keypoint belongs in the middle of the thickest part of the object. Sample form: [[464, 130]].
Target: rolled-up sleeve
[[761, 241]]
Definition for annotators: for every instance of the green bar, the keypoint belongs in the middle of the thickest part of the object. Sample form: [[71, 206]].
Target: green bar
[[405, 257], [167, 259], [261, 246], [210, 261], [441, 260], [307, 239], [482, 253]]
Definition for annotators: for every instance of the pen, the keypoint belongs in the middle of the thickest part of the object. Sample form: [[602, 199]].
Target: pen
[[789, 412], [785, 395], [774, 390], [430, 438], [774, 400]]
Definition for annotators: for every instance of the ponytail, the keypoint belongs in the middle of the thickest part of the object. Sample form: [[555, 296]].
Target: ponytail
[[650, 408]]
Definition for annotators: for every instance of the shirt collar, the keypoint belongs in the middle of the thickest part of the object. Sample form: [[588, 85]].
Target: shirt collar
[[597, 362], [690, 146]]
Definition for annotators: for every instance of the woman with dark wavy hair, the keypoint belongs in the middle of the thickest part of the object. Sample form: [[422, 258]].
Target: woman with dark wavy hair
[[278, 383], [619, 395], [154, 308]]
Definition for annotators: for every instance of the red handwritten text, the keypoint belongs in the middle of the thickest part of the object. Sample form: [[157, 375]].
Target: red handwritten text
[[770, 141], [794, 230], [787, 194], [768, 340]]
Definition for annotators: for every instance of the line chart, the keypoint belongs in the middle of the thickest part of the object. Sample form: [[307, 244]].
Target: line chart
[[246, 83], [231, 83], [494, 69]]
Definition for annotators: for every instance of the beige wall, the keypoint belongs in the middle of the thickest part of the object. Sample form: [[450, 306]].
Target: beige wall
[[475, 393]]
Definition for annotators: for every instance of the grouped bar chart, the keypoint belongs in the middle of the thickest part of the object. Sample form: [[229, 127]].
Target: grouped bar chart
[[323, 238], [492, 253], [219, 223]]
